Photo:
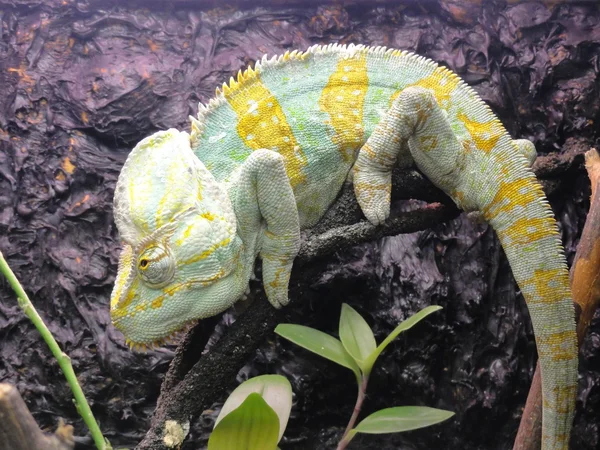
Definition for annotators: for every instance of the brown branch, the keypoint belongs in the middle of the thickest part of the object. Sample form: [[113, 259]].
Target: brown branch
[[529, 436], [585, 285], [193, 384], [19, 431], [585, 274]]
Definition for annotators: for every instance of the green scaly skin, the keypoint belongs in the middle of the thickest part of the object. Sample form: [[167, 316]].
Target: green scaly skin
[[269, 154]]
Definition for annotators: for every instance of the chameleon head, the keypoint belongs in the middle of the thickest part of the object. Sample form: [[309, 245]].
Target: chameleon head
[[181, 259]]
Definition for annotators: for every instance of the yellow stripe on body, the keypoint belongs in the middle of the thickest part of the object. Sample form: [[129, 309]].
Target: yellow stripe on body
[[370, 190], [262, 124], [556, 346], [343, 99], [563, 396], [528, 230], [139, 195], [441, 82], [124, 272], [485, 135], [511, 194], [188, 231], [120, 309], [166, 200], [548, 285], [176, 190], [206, 253], [428, 143], [158, 301]]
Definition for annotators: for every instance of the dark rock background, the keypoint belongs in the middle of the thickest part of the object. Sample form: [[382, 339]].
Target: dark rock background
[[82, 81]]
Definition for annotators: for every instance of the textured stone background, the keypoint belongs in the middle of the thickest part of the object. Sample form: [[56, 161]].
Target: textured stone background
[[82, 82]]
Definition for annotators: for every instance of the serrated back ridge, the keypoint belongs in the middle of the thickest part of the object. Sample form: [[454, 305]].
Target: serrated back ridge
[[251, 74]]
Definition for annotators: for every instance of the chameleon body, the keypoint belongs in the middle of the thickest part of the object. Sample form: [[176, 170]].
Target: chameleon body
[[270, 153]]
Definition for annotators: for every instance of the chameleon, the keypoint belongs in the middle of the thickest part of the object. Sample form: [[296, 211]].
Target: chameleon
[[269, 153]]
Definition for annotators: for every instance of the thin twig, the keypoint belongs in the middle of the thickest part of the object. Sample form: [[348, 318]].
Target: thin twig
[[19, 431], [362, 393]]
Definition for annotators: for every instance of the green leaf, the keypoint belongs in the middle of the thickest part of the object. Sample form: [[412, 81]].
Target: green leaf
[[252, 426], [356, 336], [320, 343], [401, 418], [274, 389], [408, 323]]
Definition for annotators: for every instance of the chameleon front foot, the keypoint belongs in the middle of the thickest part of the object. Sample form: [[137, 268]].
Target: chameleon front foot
[[372, 187], [263, 196], [276, 278], [372, 173]]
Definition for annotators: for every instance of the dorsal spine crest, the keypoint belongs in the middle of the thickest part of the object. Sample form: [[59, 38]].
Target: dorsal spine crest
[[271, 63]]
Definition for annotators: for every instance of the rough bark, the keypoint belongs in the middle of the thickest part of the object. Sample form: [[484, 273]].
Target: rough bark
[[19, 431]]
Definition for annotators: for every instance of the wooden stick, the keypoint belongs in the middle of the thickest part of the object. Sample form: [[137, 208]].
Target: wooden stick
[[19, 431], [585, 273]]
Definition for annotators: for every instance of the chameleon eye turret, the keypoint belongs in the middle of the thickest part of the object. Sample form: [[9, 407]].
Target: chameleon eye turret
[[156, 266], [181, 256]]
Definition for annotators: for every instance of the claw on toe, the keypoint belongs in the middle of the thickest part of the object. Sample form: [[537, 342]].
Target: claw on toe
[[276, 278], [377, 215], [374, 200], [277, 299]]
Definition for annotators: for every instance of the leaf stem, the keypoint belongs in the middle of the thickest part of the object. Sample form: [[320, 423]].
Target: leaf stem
[[362, 392], [63, 359]]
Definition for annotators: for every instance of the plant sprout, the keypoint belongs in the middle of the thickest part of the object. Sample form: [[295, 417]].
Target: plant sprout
[[357, 350]]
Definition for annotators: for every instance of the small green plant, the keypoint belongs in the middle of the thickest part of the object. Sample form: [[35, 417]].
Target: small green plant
[[357, 350], [254, 415]]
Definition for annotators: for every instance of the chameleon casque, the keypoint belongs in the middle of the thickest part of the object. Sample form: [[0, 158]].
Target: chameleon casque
[[270, 153]]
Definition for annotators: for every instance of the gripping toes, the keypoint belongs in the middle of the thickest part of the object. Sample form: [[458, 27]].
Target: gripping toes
[[276, 277], [372, 173], [372, 188], [527, 149]]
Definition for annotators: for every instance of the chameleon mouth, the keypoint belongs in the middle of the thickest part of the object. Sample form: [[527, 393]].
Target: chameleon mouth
[[173, 337]]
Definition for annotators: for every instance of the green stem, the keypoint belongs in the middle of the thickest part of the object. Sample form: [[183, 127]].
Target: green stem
[[63, 359], [362, 392]]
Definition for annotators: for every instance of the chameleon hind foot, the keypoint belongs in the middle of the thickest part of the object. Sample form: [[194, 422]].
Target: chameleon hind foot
[[372, 172]]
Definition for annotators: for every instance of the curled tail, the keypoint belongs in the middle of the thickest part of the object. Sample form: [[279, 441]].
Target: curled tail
[[529, 235], [485, 170]]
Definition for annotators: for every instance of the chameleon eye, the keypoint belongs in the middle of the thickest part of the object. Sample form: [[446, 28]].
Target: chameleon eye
[[156, 266]]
